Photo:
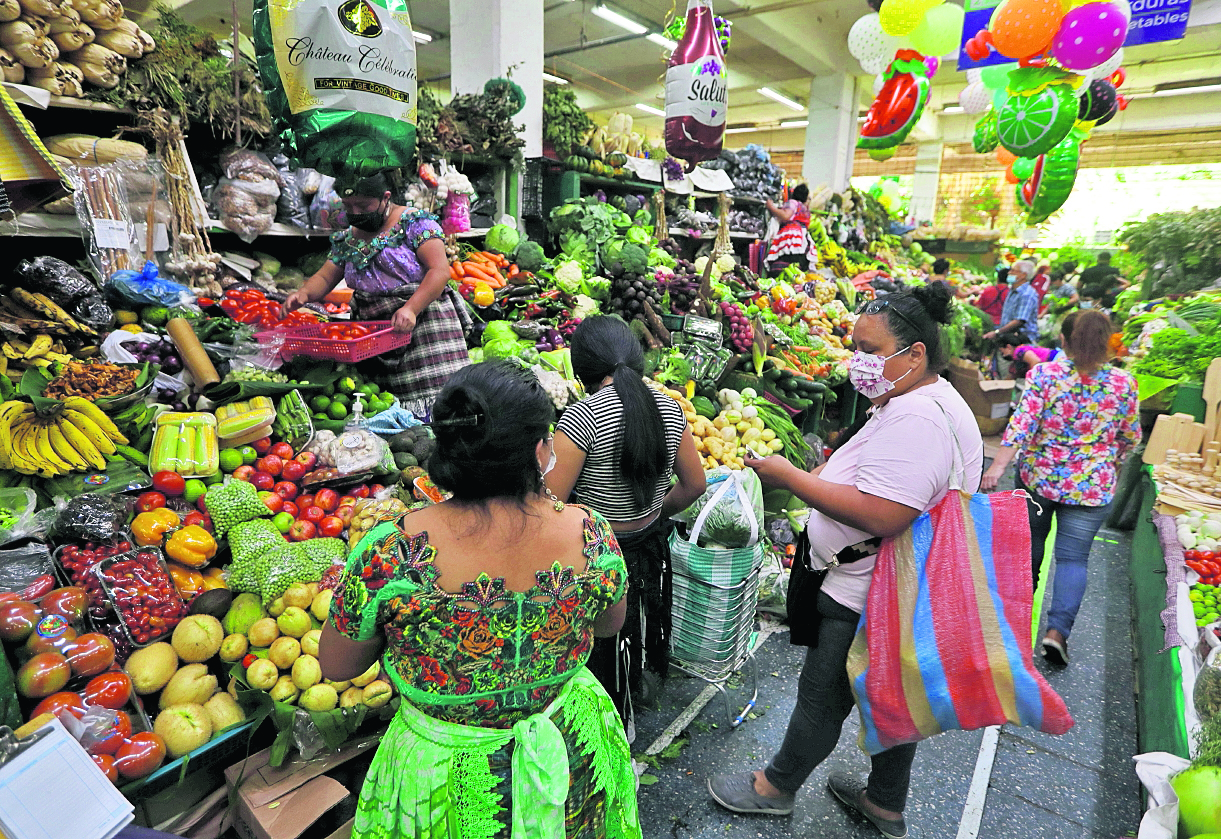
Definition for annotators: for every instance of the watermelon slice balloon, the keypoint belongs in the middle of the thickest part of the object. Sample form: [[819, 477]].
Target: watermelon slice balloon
[[899, 104], [1052, 180], [985, 139], [1030, 124]]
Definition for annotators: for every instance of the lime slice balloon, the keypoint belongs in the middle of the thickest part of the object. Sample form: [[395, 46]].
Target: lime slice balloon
[[1032, 124], [1052, 180]]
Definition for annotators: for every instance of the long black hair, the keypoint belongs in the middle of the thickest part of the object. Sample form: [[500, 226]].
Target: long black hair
[[605, 346], [489, 419]]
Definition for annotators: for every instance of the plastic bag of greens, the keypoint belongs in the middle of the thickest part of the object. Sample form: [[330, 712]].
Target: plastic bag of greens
[[340, 80], [729, 513]]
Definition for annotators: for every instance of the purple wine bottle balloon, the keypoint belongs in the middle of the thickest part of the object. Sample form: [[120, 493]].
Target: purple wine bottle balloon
[[697, 90]]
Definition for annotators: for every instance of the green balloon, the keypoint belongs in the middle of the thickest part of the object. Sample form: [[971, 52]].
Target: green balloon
[[1023, 168], [996, 77], [985, 139], [1047, 192], [1031, 124]]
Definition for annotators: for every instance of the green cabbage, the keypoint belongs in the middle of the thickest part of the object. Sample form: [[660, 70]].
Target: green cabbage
[[500, 341], [598, 288], [502, 239]]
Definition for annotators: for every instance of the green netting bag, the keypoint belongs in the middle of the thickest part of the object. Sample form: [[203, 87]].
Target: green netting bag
[[340, 80]]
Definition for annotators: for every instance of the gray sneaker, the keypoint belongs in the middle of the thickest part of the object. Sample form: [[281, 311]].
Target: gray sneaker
[[849, 790], [736, 792]]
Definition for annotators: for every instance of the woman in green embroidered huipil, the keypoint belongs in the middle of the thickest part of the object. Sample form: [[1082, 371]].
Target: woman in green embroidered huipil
[[393, 259], [482, 611]]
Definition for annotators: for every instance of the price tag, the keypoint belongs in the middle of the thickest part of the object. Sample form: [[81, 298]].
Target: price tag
[[111, 233]]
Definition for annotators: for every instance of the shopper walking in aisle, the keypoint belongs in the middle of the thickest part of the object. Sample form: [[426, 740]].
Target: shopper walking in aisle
[[1020, 314], [792, 242], [1100, 284], [1041, 281], [1073, 426], [616, 451], [992, 299], [873, 487], [393, 258], [1025, 356], [482, 611]]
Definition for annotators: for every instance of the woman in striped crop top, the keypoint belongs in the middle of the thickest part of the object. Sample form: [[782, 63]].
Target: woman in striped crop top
[[615, 452]]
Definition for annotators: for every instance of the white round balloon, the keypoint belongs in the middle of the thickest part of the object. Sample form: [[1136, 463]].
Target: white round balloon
[[975, 98], [1106, 68], [876, 63], [866, 37], [974, 75]]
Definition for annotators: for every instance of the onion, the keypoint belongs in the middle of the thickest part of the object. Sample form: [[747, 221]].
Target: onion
[[171, 365], [137, 347]]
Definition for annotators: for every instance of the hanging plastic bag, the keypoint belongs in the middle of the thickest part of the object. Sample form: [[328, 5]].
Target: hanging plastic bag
[[148, 288], [341, 81], [729, 512]]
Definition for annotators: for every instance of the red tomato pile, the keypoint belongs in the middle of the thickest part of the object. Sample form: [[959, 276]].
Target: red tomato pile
[[79, 562], [144, 595], [254, 307], [1205, 563], [344, 331]]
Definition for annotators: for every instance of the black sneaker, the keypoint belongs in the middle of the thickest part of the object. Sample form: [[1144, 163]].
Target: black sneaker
[[849, 790]]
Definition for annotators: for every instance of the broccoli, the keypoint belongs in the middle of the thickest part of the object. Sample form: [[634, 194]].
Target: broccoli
[[568, 277], [634, 259], [529, 256]]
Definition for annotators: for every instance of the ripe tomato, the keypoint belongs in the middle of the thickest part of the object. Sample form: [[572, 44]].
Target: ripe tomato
[[169, 483], [112, 740], [141, 755], [43, 675], [64, 700], [68, 602], [90, 654], [148, 501], [110, 690], [106, 764]]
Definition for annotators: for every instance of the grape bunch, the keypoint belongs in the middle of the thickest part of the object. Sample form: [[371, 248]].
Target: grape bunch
[[741, 336], [628, 293]]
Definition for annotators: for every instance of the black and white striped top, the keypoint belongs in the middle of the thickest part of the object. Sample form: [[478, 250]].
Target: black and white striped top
[[595, 425]]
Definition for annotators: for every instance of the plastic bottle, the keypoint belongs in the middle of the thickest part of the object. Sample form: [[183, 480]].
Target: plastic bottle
[[697, 90]]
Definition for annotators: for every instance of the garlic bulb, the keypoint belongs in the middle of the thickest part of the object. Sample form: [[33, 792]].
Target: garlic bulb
[[9, 10], [11, 70]]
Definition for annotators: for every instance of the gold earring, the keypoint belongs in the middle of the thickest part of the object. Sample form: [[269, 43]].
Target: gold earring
[[555, 502]]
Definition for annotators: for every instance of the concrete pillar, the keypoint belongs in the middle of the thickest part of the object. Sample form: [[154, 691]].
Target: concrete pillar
[[487, 38], [831, 135], [924, 184]]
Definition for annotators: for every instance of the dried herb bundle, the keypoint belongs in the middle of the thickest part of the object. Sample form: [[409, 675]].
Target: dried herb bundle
[[190, 75], [471, 124]]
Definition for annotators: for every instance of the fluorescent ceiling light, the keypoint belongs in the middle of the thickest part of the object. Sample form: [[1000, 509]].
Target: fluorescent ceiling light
[[1192, 85], [953, 109], [422, 37], [547, 77], [743, 129], [606, 13], [661, 40], [781, 98], [649, 109], [795, 123], [1182, 91]]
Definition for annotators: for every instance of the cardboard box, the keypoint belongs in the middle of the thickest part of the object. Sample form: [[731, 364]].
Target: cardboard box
[[988, 399], [284, 803]]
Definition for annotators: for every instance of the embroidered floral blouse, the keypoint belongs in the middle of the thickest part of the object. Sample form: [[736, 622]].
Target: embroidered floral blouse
[[487, 656], [387, 261], [1073, 431]]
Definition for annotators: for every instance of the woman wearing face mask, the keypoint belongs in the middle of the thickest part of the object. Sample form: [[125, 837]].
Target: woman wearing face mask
[[892, 468], [393, 259], [616, 451]]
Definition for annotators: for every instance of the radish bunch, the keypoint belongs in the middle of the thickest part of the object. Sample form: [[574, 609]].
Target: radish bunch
[[741, 335]]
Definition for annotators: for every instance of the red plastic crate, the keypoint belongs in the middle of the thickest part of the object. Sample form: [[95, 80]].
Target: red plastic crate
[[308, 340]]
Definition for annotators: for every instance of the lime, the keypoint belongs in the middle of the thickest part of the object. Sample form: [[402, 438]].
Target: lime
[[1195, 595], [155, 315], [215, 477], [342, 399], [329, 390], [368, 389], [337, 410], [346, 385], [249, 455], [320, 403], [193, 489], [230, 459], [320, 415]]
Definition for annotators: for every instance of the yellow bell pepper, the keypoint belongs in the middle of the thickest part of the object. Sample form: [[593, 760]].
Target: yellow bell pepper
[[483, 295], [150, 528], [192, 546], [188, 581], [214, 578]]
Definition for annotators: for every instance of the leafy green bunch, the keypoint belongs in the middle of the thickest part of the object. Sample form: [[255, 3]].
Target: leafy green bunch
[[565, 125], [1180, 250]]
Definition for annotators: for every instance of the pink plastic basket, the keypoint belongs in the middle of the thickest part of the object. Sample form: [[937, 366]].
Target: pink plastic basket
[[308, 340]]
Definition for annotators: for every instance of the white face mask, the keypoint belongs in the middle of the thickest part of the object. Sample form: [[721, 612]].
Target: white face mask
[[866, 373], [550, 461]]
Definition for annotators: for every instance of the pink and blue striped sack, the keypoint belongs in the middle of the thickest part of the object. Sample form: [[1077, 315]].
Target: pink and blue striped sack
[[944, 641]]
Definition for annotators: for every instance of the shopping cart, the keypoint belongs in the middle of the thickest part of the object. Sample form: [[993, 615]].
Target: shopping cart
[[713, 629]]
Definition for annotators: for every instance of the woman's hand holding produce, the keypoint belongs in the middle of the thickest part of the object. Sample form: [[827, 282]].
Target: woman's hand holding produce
[[294, 301], [773, 471]]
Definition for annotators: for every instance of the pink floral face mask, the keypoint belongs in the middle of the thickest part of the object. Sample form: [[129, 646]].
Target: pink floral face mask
[[866, 373]]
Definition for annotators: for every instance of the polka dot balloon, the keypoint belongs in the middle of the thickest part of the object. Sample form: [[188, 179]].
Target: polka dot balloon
[[869, 45], [1089, 35], [975, 98]]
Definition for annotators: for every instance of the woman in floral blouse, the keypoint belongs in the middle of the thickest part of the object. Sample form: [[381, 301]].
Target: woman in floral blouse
[[393, 259], [482, 611], [1076, 421]]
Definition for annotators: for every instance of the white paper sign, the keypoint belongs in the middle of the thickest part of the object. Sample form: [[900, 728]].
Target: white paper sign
[[111, 233]]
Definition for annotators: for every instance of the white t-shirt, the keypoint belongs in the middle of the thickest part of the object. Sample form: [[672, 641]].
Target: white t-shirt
[[904, 453]]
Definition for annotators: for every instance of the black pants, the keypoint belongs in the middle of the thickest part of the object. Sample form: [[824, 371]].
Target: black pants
[[824, 700], [619, 662]]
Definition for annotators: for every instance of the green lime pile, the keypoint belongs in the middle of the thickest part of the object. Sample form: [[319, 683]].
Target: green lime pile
[[336, 399], [1204, 603], [233, 503]]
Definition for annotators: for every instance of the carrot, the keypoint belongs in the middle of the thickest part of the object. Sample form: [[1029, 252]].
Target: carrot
[[502, 260], [479, 257], [488, 275], [455, 271]]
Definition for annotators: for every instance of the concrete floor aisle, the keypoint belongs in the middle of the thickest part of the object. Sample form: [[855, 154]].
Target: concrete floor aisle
[[1080, 785]]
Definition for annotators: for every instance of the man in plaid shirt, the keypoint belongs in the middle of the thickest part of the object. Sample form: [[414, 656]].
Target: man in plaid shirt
[[1020, 316]]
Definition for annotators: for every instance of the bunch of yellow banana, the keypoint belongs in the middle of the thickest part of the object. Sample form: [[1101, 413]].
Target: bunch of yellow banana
[[17, 354], [78, 438]]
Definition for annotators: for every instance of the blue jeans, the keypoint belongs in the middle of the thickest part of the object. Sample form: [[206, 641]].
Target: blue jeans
[[1076, 527]]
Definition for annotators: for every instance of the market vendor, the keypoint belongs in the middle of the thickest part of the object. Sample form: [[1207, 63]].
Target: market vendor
[[792, 242], [393, 258]]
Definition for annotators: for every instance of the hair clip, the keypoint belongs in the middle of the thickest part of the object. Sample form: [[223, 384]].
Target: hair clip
[[453, 422]]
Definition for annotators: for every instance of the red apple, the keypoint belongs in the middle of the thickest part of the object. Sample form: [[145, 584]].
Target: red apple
[[287, 489], [262, 446], [202, 505], [314, 514], [309, 459], [245, 472], [347, 500], [327, 499], [271, 464], [294, 470], [376, 489], [290, 507], [272, 501], [262, 480], [304, 501], [302, 530], [330, 526], [282, 450], [345, 514], [149, 501]]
